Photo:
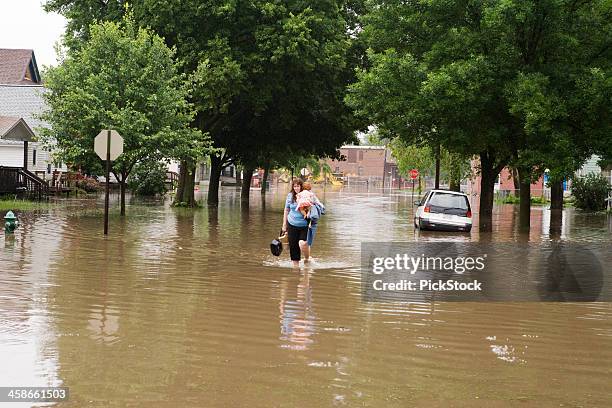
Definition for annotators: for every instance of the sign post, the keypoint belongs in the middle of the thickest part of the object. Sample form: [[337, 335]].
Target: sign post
[[108, 145], [414, 173]]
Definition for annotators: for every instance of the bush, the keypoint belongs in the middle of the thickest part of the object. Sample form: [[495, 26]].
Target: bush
[[590, 192], [510, 199], [538, 200], [514, 199], [89, 185], [148, 179]]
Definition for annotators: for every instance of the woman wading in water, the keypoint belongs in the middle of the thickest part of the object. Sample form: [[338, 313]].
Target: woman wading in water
[[296, 226]]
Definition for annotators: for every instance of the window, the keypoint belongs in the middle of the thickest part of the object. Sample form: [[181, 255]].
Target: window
[[49, 168], [424, 199], [449, 201], [360, 155], [34, 157], [360, 170], [352, 156]]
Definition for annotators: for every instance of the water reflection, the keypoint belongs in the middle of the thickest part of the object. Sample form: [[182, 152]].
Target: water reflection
[[297, 317]]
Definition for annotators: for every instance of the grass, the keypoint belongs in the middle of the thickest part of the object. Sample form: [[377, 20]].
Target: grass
[[22, 205], [512, 199]]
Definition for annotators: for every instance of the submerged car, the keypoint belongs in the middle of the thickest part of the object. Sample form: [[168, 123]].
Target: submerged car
[[443, 210]]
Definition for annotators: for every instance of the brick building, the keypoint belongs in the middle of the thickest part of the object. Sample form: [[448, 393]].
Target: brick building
[[364, 161]]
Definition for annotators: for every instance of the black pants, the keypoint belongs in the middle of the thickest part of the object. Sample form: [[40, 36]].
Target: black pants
[[294, 235]]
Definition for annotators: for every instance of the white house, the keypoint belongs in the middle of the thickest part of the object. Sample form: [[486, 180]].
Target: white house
[[21, 102]]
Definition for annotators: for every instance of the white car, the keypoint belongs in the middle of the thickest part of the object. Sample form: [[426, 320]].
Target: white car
[[443, 210]]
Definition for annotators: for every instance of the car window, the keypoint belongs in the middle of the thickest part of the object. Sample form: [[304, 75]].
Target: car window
[[449, 201], [424, 199]]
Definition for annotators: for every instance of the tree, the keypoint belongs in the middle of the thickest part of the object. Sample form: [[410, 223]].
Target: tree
[[264, 73], [454, 167], [493, 79], [122, 78]]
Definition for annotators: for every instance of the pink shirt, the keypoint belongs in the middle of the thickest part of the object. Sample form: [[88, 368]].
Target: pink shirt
[[305, 198]]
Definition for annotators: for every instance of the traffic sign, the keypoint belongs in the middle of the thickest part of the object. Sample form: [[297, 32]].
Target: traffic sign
[[414, 173], [101, 144], [108, 145]]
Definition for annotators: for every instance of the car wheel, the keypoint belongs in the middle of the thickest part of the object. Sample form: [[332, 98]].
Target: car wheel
[[421, 225]]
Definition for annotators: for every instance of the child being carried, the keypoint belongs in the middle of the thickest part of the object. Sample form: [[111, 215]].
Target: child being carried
[[306, 199]]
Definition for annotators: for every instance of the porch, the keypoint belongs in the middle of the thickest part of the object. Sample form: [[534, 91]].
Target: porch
[[15, 178]]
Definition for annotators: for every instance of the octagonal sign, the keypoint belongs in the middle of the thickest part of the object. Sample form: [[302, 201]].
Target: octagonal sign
[[101, 144]]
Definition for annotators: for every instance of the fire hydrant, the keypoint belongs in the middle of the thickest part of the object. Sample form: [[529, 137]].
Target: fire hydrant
[[10, 223]]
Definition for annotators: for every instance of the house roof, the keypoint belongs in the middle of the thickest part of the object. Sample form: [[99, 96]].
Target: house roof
[[15, 129], [23, 101], [7, 123], [367, 147], [14, 65]]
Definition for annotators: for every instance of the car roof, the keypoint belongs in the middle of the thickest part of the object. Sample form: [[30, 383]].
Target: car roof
[[448, 192]]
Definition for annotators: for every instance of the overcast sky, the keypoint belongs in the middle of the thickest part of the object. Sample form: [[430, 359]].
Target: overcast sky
[[24, 24]]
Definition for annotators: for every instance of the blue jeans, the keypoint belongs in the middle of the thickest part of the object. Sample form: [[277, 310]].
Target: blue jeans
[[312, 230]]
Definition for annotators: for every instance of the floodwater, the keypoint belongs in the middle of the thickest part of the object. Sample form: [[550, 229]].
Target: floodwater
[[181, 308]]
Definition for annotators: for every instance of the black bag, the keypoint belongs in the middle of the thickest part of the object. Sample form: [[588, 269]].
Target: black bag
[[276, 246]]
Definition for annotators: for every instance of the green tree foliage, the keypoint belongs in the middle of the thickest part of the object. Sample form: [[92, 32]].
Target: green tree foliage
[[521, 82], [453, 166], [123, 78], [148, 178], [266, 76], [410, 157], [591, 192]]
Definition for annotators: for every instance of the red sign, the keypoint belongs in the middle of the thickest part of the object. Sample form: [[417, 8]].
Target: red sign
[[414, 173]]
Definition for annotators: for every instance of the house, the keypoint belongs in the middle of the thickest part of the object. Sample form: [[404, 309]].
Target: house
[[21, 102], [365, 161]]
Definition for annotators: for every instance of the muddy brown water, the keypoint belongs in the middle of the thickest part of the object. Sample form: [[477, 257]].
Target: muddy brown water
[[180, 308]]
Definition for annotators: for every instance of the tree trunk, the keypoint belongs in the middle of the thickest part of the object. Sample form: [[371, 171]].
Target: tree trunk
[[247, 175], [556, 224], [437, 182], [182, 179], [264, 182], [237, 175], [487, 187], [188, 192], [122, 186], [215, 177], [516, 180], [525, 205], [556, 195], [184, 192]]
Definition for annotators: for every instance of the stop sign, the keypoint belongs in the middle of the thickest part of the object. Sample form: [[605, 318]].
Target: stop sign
[[414, 173], [102, 143]]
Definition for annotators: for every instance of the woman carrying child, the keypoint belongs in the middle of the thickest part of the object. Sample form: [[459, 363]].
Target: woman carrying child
[[295, 220]]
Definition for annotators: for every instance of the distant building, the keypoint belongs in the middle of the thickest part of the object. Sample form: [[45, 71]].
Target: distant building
[[590, 166], [365, 161]]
